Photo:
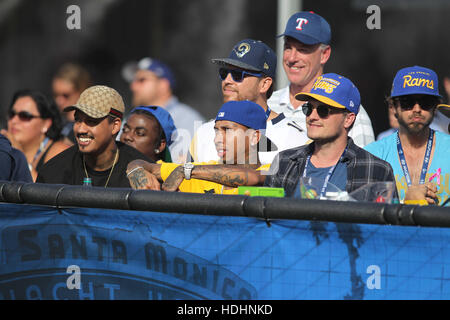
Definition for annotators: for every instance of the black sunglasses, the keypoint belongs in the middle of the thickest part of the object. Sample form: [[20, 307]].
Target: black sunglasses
[[23, 115], [425, 102], [237, 75], [323, 110]]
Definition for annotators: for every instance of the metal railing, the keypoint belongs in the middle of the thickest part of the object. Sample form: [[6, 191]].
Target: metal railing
[[61, 196]]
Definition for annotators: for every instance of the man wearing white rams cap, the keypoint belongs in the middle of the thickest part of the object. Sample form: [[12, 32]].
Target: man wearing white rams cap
[[97, 159]]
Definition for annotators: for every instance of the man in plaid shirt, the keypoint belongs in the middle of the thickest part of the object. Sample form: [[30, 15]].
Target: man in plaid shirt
[[306, 51], [332, 105]]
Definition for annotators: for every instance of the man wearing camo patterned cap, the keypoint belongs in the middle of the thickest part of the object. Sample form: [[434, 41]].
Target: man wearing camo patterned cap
[[97, 159]]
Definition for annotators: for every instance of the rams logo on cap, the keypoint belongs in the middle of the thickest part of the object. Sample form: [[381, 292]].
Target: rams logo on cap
[[221, 114], [327, 84], [409, 81], [242, 49], [266, 66]]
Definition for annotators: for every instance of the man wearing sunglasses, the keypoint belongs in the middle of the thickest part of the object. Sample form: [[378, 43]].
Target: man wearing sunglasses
[[331, 108], [248, 74], [307, 49], [417, 153]]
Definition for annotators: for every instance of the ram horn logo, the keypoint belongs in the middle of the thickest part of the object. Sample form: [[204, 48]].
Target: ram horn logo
[[242, 49], [266, 66]]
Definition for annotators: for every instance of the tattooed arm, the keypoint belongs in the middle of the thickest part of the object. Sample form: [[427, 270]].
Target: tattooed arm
[[144, 175], [228, 175]]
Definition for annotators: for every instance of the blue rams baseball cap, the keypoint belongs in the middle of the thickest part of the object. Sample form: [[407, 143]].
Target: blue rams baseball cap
[[250, 115], [334, 90], [164, 119], [415, 80], [253, 55], [308, 28], [157, 67]]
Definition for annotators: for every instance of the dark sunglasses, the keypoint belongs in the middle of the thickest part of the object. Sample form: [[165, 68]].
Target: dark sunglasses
[[23, 115], [237, 75], [322, 110], [425, 102]]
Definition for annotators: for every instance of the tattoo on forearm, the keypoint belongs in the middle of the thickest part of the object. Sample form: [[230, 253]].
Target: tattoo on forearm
[[138, 180], [231, 179]]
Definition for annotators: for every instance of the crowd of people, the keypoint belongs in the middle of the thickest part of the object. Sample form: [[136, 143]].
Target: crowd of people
[[315, 127]]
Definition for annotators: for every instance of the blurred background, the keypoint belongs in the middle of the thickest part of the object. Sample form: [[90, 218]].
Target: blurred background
[[35, 41]]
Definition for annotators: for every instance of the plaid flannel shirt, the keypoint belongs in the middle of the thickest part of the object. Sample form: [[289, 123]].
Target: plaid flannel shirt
[[362, 168]]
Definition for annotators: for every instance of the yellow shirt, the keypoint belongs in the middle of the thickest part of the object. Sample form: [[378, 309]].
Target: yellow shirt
[[200, 186]]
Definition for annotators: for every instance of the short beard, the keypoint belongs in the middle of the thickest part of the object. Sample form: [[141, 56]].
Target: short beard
[[414, 128]]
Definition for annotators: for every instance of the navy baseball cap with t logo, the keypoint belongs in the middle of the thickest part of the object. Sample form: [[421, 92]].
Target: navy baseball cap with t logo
[[253, 55], [308, 28]]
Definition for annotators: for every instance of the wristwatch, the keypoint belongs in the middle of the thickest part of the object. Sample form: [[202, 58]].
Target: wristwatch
[[188, 170]]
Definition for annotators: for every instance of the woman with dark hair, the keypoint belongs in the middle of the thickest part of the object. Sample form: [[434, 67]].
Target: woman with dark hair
[[149, 129], [34, 127]]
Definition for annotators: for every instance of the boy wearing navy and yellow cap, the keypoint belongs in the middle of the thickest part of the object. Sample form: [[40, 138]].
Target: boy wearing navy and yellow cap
[[331, 108]]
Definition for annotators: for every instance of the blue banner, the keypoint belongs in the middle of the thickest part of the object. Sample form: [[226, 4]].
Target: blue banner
[[78, 253]]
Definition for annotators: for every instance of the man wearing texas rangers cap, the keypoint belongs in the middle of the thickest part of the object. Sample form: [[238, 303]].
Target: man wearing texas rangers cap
[[248, 73], [307, 39], [239, 131], [331, 108], [417, 153], [97, 159]]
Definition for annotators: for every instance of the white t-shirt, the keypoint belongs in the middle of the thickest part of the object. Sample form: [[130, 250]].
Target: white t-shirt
[[361, 133], [284, 132]]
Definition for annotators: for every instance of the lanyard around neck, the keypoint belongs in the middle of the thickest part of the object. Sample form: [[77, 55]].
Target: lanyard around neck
[[426, 159], [329, 174]]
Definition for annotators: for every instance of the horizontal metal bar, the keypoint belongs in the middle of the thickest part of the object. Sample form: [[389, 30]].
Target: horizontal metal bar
[[223, 205]]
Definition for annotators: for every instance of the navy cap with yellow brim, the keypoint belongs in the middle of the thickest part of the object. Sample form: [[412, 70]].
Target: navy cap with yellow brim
[[444, 109], [334, 90]]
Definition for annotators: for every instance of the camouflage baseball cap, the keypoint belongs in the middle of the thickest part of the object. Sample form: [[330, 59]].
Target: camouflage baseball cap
[[98, 102]]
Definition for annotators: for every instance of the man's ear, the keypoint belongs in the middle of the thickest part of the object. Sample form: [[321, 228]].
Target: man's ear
[[164, 85], [256, 136], [349, 119], [117, 124], [162, 146], [326, 53], [265, 84]]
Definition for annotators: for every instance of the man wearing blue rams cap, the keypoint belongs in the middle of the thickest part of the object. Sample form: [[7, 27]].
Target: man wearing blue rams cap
[[307, 40], [417, 153], [248, 73], [331, 108], [239, 132]]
